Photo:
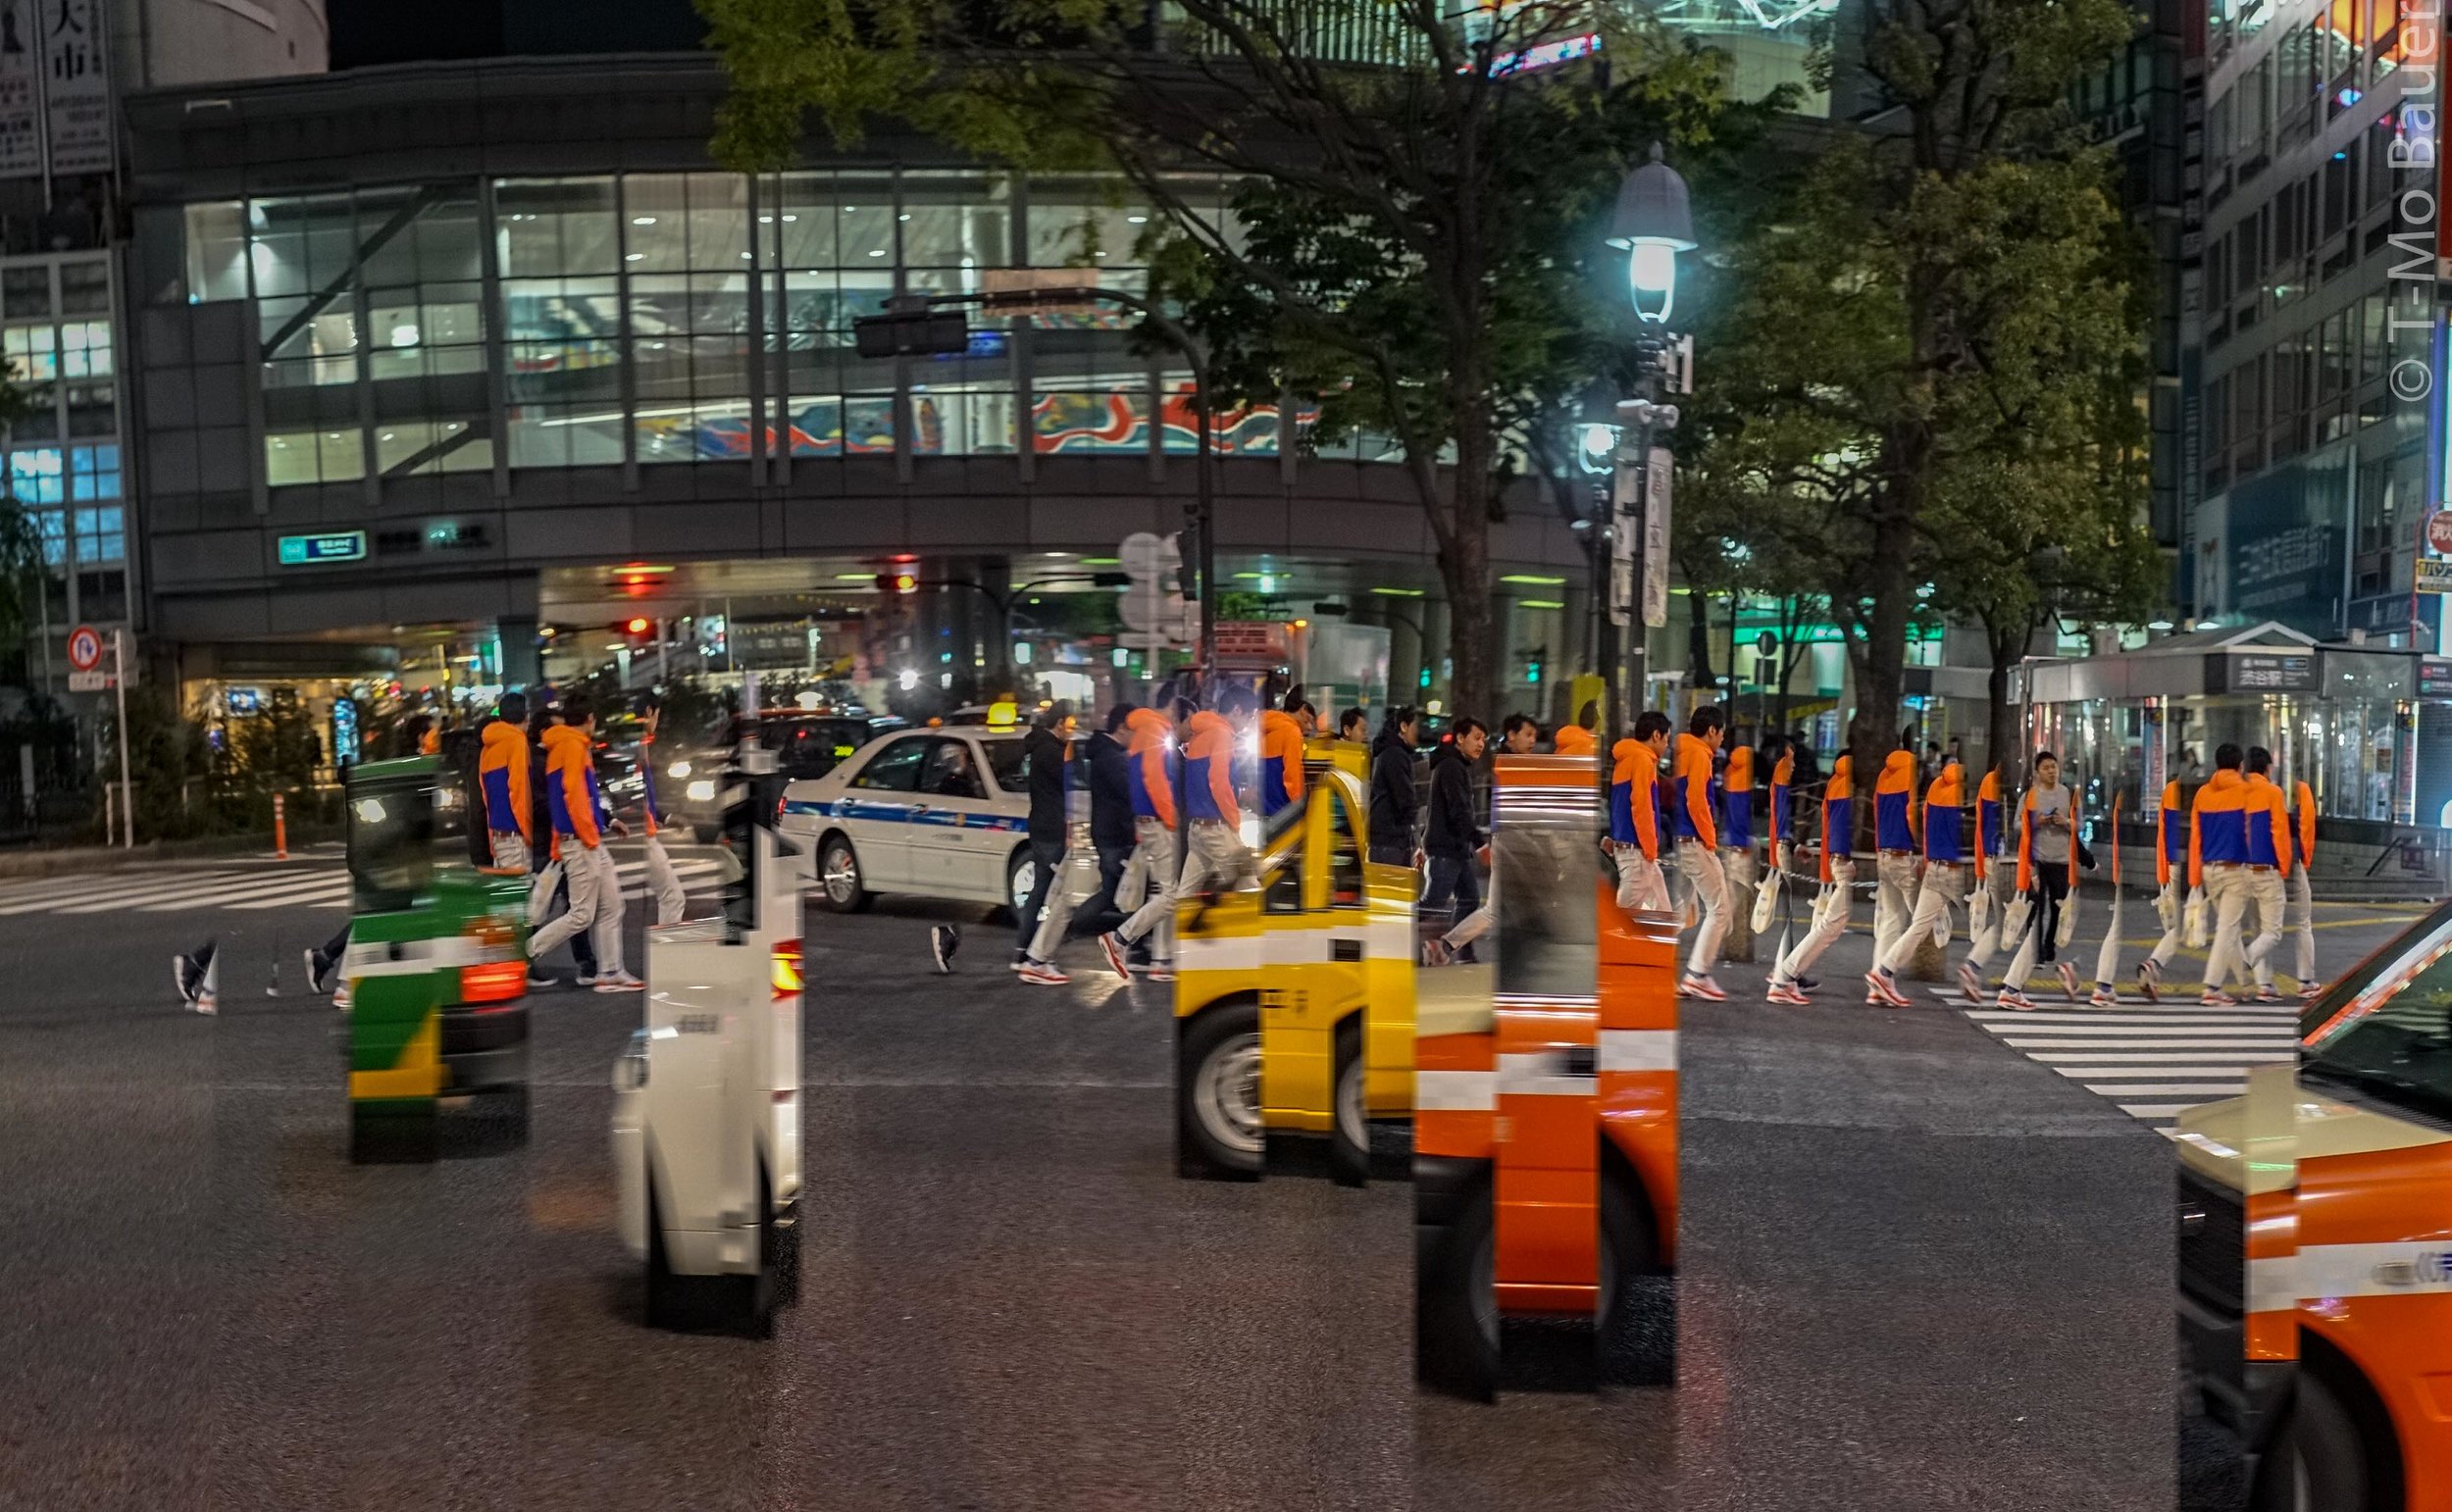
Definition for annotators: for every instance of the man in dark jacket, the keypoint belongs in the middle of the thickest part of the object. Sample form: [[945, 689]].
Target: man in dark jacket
[[1454, 836], [1104, 772], [1395, 802], [1047, 748]]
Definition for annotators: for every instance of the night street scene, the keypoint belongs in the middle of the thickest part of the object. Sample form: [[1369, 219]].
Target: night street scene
[[1225, 754]]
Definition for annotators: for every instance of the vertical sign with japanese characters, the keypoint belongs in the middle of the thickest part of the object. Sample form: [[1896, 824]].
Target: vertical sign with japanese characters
[[20, 98], [1625, 526], [1656, 482], [76, 85]]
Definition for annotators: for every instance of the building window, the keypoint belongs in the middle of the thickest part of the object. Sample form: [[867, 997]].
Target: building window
[[93, 472], [99, 536], [216, 251], [294, 457]]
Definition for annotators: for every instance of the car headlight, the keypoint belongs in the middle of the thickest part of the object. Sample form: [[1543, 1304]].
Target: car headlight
[[702, 790], [677, 769]]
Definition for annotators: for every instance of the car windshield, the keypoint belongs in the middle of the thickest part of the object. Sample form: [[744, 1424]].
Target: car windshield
[[390, 842], [2383, 1034], [1007, 760]]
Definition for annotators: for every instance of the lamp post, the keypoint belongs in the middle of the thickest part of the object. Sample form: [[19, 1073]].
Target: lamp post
[[1652, 224]]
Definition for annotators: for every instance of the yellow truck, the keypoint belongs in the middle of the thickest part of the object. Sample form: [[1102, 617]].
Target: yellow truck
[[1293, 1000]]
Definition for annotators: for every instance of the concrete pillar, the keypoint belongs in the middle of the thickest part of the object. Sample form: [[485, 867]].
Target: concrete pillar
[[523, 657]]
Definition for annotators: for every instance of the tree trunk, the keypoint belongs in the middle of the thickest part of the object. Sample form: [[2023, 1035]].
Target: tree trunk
[[2003, 745], [1465, 570], [1882, 654]]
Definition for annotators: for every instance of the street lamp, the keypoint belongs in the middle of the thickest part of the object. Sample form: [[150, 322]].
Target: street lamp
[[1652, 226]]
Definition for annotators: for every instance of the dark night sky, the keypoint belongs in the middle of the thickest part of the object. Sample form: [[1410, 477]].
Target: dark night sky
[[373, 32]]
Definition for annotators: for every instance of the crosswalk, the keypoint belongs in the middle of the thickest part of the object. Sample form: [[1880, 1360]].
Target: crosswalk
[[2153, 1062], [242, 887]]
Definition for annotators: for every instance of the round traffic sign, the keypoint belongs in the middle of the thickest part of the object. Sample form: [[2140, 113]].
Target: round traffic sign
[[84, 648], [2439, 531], [1765, 644]]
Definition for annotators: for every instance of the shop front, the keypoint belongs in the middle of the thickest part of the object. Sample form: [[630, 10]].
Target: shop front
[[2343, 717]]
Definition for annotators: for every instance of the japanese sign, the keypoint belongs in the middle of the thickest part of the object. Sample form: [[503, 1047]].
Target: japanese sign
[[21, 96], [1656, 482], [76, 85], [336, 546], [2434, 575], [1252, 645], [2289, 671]]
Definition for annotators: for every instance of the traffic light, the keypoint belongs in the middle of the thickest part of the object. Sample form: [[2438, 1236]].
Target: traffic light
[[898, 583], [913, 332], [636, 630]]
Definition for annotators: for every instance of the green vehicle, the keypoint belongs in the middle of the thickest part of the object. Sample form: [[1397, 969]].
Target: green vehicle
[[437, 965]]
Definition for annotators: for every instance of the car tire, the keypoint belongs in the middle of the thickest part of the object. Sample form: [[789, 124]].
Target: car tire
[[1217, 1097], [838, 881], [665, 1300], [1628, 1254], [1020, 876], [1456, 1306], [753, 1296], [1349, 1129]]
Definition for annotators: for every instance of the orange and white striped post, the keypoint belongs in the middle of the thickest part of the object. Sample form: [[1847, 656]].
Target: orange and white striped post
[[280, 829]]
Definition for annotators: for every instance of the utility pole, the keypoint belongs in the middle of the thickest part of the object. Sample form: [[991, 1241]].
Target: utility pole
[[1639, 519]]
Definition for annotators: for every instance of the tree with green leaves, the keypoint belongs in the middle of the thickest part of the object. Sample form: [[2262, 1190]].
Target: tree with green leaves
[[1412, 232], [1933, 314]]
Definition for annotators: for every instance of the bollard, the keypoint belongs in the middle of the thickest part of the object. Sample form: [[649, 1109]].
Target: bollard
[[281, 830]]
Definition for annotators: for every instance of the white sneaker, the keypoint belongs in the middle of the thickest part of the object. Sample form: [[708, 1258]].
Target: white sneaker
[[583, 980], [619, 981]]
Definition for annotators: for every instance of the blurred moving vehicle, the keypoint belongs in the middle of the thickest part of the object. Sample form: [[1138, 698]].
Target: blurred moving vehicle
[[707, 1113], [807, 744], [436, 964], [1545, 1135], [1294, 1001], [2316, 1245], [931, 813]]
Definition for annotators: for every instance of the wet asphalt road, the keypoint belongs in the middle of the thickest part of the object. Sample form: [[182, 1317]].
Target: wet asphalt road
[[1918, 1271]]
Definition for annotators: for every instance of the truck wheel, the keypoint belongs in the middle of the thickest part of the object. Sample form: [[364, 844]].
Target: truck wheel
[[1350, 1132], [839, 878], [664, 1288], [1627, 1255], [1217, 1093], [2331, 1469], [1455, 1307]]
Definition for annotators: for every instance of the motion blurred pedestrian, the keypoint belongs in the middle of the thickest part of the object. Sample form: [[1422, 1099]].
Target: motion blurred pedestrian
[[1697, 833], [1455, 834], [1395, 801], [1048, 750], [1634, 814]]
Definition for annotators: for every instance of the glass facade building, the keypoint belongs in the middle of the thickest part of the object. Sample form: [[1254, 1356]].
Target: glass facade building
[[650, 319]]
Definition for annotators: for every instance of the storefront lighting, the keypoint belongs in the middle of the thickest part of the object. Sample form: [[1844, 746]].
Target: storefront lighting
[[877, 252], [634, 257], [1398, 593], [2158, 625], [1535, 579], [1544, 603], [642, 220], [1136, 219], [1120, 657]]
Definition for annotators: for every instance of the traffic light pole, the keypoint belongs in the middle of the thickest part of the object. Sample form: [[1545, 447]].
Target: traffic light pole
[[908, 328]]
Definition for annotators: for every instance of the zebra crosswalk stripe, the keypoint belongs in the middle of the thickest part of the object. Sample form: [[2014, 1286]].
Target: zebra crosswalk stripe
[[2153, 1062], [177, 890]]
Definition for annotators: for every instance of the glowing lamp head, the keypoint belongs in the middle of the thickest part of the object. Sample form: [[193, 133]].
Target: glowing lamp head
[[1652, 224]]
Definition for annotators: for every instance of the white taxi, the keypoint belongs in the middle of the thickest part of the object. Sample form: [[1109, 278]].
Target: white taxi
[[933, 813]]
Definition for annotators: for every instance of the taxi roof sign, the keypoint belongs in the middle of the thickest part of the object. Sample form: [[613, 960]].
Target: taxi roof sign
[[1003, 714]]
